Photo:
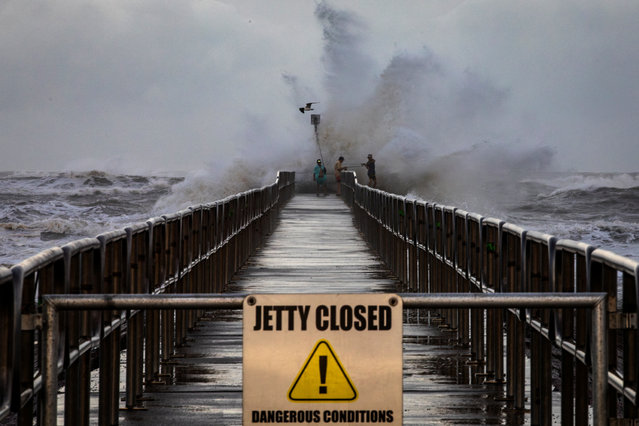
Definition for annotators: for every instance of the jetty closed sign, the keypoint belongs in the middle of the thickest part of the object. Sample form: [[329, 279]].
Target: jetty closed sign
[[322, 359]]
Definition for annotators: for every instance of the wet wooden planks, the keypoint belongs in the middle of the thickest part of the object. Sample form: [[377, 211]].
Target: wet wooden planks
[[316, 249]]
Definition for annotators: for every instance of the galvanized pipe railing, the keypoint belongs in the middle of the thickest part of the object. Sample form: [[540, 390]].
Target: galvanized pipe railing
[[434, 248], [431, 248], [196, 250], [56, 305]]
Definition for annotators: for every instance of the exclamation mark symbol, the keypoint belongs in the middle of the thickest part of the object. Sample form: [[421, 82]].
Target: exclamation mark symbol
[[322, 371]]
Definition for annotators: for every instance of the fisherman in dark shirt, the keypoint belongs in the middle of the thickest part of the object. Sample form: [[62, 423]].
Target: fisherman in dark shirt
[[370, 166]]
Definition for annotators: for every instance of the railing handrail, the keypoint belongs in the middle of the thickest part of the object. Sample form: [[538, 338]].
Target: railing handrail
[[54, 304], [430, 248], [433, 247], [164, 254], [610, 258]]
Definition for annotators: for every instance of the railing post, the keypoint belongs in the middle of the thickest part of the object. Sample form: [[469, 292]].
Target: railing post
[[537, 358], [565, 282], [411, 240], [73, 390], [137, 246], [494, 317], [581, 340], [50, 365], [452, 276], [112, 274], [181, 286], [474, 275], [78, 279], [600, 363], [152, 323], [9, 333], [461, 266], [630, 285], [513, 249], [422, 243]]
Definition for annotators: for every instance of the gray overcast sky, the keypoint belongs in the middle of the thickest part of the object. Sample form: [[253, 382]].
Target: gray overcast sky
[[146, 85]]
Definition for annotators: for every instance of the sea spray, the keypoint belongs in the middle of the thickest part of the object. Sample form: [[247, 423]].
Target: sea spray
[[215, 183], [436, 131]]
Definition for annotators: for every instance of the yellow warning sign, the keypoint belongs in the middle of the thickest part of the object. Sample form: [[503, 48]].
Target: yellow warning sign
[[322, 378]]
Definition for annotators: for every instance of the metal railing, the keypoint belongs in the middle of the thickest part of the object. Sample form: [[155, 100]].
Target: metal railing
[[435, 248], [56, 305], [196, 250], [431, 248]]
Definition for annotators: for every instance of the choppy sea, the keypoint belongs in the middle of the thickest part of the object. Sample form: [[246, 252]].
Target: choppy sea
[[41, 210]]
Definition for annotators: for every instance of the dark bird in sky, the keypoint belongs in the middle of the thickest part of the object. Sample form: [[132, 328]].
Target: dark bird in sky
[[308, 107]]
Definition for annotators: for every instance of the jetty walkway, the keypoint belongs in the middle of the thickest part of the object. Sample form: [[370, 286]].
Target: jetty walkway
[[499, 325], [316, 248]]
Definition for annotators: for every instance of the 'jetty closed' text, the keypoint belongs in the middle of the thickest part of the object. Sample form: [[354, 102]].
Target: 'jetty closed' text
[[323, 318]]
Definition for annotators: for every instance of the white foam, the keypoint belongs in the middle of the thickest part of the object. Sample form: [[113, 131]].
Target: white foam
[[592, 181]]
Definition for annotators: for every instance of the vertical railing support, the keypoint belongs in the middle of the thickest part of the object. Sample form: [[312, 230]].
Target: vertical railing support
[[50, 365], [600, 362]]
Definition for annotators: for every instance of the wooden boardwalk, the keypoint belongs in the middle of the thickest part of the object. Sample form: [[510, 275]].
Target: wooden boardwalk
[[315, 248]]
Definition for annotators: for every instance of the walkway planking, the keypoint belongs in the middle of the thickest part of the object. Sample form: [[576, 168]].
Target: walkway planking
[[315, 248]]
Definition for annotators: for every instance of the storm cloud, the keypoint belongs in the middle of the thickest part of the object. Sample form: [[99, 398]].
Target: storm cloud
[[144, 86]]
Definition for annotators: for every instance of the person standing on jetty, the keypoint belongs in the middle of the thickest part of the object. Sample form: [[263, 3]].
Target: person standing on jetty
[[319, 175], [338, 175], [370, 166]]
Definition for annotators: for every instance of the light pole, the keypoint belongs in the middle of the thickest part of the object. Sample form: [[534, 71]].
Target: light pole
[[315, 121]]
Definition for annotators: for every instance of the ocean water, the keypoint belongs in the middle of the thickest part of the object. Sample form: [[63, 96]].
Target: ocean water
[[41, 210], [601, 209]]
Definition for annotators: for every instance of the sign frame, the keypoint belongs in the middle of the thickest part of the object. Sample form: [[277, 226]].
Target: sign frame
[[322, 358]]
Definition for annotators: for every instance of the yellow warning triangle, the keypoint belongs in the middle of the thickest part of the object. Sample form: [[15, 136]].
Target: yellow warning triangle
[[322, 378]]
